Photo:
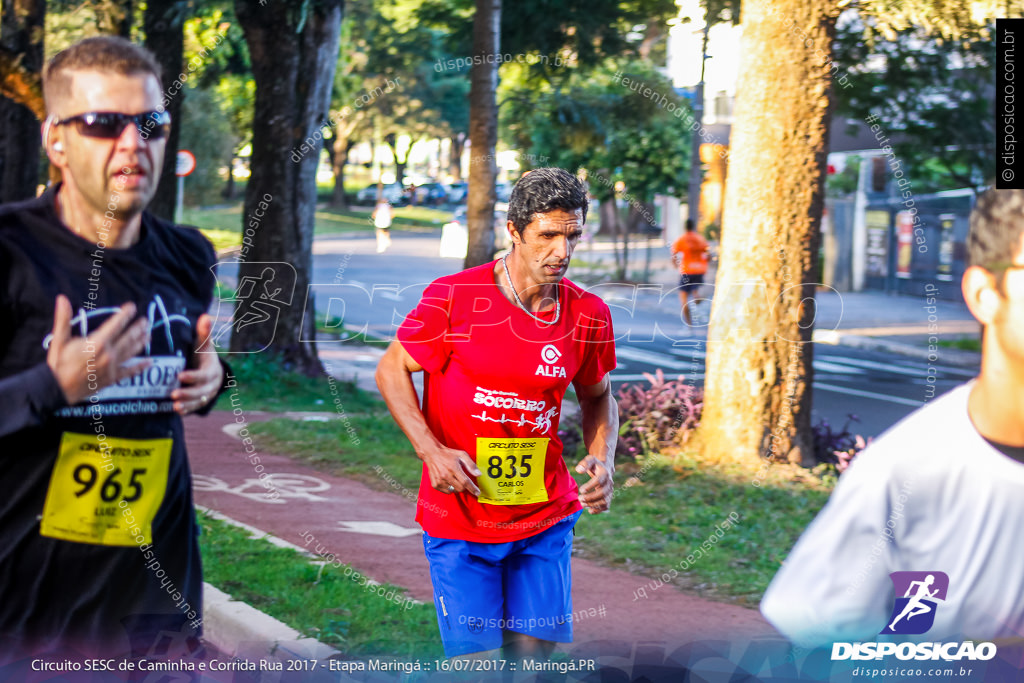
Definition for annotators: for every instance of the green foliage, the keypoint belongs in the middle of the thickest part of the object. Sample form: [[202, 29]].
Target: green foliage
[[932, 96], [208, 134], [844, 182], [635, 132], [581, 33]]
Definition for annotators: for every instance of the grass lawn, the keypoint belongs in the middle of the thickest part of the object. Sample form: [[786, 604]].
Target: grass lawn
[[962, 344], [223, 225], [673, 505], [264, 384], [317, 599]]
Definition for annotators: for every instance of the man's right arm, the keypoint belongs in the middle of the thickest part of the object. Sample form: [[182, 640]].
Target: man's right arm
[[446, 466], [28, 398], [74, 367]]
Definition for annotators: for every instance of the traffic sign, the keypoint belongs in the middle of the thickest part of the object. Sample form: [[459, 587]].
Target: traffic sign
[[186, 163]]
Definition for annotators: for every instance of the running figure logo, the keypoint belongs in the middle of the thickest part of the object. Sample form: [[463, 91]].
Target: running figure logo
[[914, 613]]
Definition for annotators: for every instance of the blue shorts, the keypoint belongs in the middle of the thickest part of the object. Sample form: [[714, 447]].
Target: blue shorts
[[483, 589], [690, 283]]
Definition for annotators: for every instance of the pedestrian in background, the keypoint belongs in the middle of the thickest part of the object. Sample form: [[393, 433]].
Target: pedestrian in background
[[382, 215], [690, 256]]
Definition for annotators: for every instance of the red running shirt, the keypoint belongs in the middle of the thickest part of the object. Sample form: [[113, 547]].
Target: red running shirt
[[493, 387]]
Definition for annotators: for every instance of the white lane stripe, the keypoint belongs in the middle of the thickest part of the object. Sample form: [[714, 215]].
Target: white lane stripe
[[616, 377], [825, 366], [652, 357], [913, 369], [868, 394], [691, 352]]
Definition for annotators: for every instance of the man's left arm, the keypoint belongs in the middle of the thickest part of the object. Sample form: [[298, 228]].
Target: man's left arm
[[600, 415], [200, 387]]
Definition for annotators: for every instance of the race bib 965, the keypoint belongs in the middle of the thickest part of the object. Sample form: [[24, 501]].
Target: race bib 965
[[106, 492]]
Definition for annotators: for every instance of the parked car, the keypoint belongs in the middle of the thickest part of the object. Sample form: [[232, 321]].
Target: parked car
[[392, 192], [431, 193], [457, 192], [503, 191], [501, 239]]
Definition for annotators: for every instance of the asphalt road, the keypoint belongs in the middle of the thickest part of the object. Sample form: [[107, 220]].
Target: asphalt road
[[373, 292]]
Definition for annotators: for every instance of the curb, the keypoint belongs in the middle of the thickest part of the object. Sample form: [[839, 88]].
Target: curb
[[961, 359], [241, 631]]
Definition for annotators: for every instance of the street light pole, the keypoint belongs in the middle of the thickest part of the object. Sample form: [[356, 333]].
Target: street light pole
[[696, 171]]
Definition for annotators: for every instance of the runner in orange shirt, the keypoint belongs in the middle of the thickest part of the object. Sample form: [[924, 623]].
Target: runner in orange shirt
[[690, 255]]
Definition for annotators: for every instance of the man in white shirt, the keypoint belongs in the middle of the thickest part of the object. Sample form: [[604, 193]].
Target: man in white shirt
[[941, 492]]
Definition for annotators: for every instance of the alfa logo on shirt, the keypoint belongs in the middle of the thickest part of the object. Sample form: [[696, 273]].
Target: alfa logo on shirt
[[550, 355], [914, 612]]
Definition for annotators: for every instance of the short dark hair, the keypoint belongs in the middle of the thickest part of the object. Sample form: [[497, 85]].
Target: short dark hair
[[111, 54], [997, 223], [542, 190], [689, 225]]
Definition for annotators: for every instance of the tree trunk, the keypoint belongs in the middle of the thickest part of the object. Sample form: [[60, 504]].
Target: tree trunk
[[124, 29], [342, 147], [294, 51], [458, 143], [623, 275], [400, 163], [164, 24], [21, 36], [483, 132], [114, 17], [757, 399], [610, 226], [229, 187]]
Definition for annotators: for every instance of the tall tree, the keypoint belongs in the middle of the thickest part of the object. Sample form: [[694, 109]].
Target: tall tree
[[483, 132], [21, 64], [758, 372], [164, 24], [293, 47], [759, 365]]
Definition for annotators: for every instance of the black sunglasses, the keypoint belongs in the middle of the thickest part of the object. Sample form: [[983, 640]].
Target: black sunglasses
[[152, 125]]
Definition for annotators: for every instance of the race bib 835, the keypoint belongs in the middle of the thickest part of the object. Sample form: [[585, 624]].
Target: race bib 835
[[511, 470], [106, 492]]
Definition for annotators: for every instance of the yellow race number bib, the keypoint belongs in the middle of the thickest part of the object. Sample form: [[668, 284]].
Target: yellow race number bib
[[511, 470], [106, 492]]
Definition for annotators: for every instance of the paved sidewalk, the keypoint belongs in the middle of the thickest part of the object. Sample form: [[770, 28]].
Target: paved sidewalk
[[374, 531]]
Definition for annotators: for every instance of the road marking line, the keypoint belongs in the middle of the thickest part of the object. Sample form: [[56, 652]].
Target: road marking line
[[651, 357], [378, 529], [914, 370], [868, 394]]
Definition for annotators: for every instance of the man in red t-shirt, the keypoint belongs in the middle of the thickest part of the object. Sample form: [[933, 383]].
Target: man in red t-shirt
[[499, 345], [690, 256]]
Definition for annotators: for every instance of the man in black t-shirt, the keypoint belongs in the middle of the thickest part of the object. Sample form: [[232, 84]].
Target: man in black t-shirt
[[103, 347]]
